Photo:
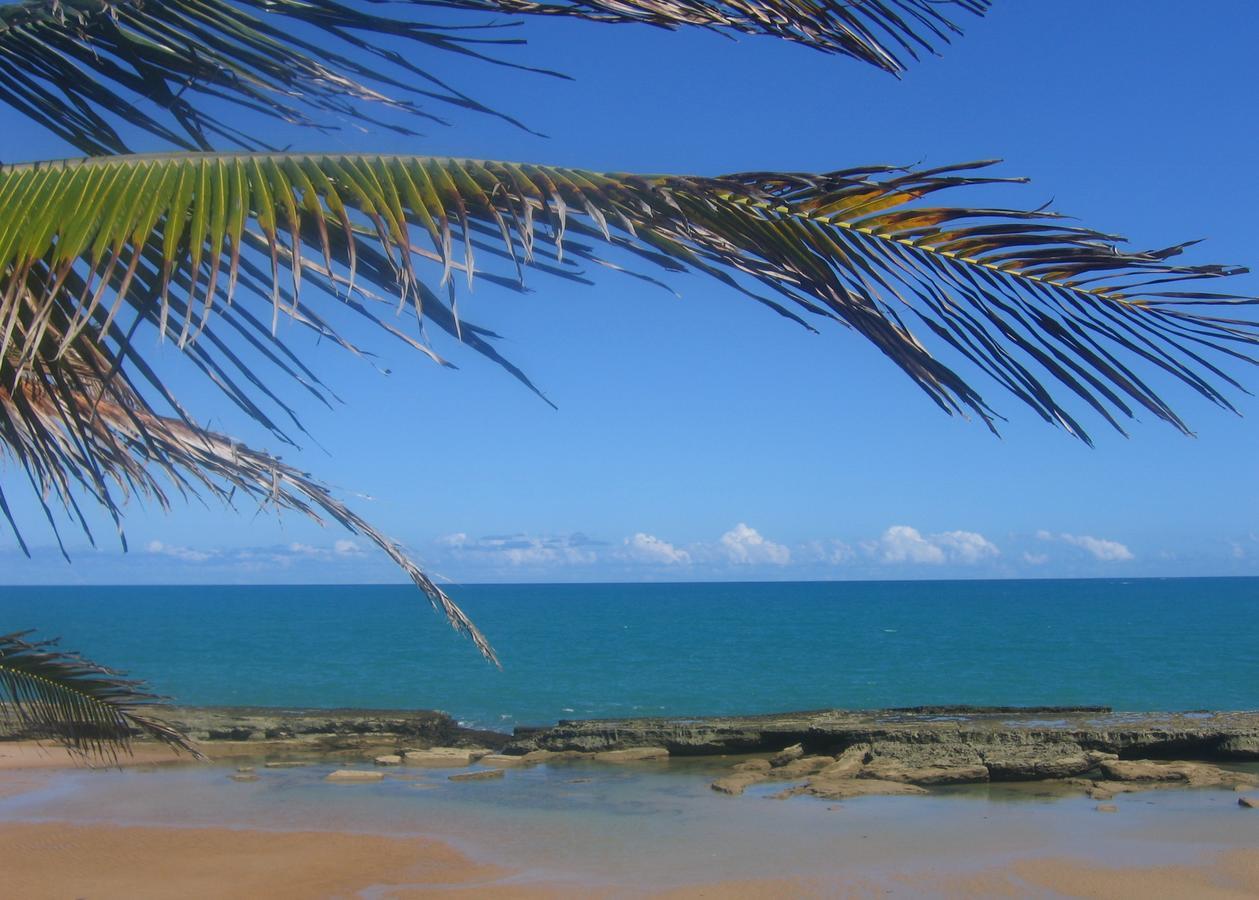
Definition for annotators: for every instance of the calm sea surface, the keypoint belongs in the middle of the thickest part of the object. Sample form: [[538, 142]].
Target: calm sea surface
[[573, 651]]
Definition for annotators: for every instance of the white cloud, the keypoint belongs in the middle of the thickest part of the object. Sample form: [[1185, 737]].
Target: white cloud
[[649, 548], [901, 543], [828, 552], [1100, 549], [345, 547], [1035, 559], [187, 554], [525, 549], [967, 547], [743, 545], [906, 544]]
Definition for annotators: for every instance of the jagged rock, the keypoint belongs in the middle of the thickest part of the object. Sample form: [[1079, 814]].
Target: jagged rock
[[890, 771], [243, 776], [1240, 747], [1248, 802], [803, 767], [788, 793], [226, 723], [1173, 773], [391, 759], [1104, 790], [1028, 766], [504, 762], [786, 755], [538, 756], [848, 763], [753, 765], [636, 754], [1142, 770], [479, 753], [484, 775], [843, 788], [439, 758], [738, 782], [1017, 738], [1107, 808], [354, 775]]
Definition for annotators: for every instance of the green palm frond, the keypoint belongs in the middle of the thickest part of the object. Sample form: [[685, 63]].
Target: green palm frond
[[211, 250], [79, 67], [1031, 301], [90, 709]]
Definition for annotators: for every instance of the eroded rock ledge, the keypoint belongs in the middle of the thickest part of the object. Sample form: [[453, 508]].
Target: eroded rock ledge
[[989, 743], [922, 746]]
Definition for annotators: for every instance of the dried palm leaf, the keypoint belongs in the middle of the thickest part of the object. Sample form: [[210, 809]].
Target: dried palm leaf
[[81, 67]]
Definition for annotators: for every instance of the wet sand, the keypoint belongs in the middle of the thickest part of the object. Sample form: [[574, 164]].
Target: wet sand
[[54, 860], [35, 755]]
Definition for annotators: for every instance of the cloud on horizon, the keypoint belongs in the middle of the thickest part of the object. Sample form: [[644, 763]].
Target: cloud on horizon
[[905, 544], [651, 549], [744, 545], [523, 550], [742, 552], [1100, 549]]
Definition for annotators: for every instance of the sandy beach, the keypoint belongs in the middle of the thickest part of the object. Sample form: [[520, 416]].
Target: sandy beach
[[57, 860]]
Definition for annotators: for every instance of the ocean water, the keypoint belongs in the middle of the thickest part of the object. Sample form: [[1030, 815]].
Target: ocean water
[[609, 650]]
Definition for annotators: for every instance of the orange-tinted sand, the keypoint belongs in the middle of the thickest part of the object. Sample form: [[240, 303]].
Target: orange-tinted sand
[[34, 755], [102, 861]]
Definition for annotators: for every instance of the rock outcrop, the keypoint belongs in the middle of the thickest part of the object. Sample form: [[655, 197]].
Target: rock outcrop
[[482, 775], [351, 776], [633, 754], [439, 758], [1011, 744]]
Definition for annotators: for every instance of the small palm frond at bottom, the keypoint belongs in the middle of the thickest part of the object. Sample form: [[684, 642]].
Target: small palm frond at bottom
[[91, 710]]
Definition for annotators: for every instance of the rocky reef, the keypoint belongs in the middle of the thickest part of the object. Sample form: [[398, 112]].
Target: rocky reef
[[829, 753], [984, 743]]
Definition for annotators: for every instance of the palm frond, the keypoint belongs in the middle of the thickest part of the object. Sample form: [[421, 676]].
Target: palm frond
[[888, 34], [81, 67], [1031, 301], [74, 421], [92, 710]]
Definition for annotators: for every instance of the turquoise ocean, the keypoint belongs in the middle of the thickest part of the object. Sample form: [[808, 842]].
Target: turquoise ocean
[[612, 650]]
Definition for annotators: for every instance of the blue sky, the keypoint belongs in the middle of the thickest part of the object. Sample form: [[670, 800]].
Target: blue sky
[[701, 437]]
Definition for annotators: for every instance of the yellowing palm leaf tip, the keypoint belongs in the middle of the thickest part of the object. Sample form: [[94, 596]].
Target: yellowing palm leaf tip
[[77, 67], [92, 710]]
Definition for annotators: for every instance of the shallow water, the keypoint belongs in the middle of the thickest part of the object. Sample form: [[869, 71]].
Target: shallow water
[[659, 824]]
